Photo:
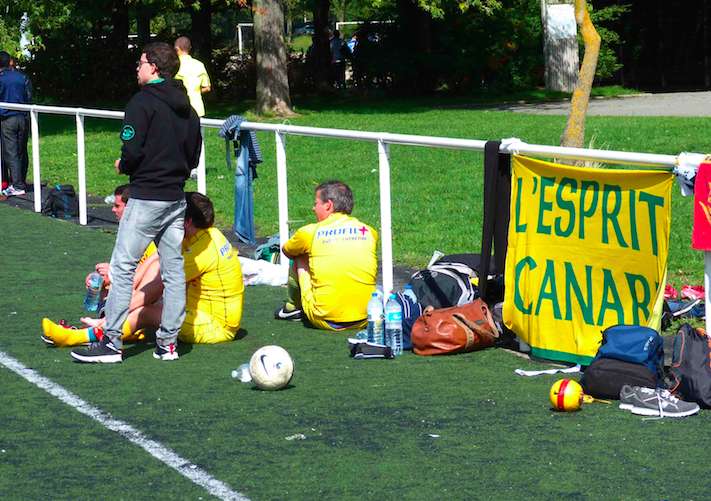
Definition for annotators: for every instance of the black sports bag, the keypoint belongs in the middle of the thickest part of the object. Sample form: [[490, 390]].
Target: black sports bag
[[605, 377], [691, 366]]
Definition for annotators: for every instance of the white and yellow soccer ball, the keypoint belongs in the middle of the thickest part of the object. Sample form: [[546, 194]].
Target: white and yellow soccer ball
[[271, 368]]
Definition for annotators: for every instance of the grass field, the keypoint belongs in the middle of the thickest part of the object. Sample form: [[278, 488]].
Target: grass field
[[460, 427], [437, 194]]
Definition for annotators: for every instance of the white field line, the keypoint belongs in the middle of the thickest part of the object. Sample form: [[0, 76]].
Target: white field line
[[155, 449]]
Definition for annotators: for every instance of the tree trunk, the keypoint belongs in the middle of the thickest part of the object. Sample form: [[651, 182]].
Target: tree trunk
[[201, 32], [118, 37], [321, 52], [143, 24], [574, 133], [269, 46]]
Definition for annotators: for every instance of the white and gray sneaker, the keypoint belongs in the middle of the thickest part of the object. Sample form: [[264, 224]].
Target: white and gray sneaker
[[654, 402], [11, 191]]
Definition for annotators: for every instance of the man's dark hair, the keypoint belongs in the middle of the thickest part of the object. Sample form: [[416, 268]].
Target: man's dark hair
[[164, 57], [183, 43], [337, 192], [199, 210], [123, 192], [5, 59]]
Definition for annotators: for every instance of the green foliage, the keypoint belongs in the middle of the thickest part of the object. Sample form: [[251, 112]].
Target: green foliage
[[605, 21], [9, 38], [438, 7]]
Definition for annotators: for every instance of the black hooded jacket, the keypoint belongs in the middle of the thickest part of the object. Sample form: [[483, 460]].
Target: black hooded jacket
[[161, 141]]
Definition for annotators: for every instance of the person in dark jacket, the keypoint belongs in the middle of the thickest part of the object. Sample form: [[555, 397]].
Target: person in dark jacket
[[15, 87], [161, 144]]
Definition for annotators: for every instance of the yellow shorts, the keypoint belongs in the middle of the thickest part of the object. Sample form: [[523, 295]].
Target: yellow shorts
[[307, 306], [202, 328]]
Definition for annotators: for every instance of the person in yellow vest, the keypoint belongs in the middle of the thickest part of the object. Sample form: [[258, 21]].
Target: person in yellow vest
[[193, 75], [215, 290], [334, 264]]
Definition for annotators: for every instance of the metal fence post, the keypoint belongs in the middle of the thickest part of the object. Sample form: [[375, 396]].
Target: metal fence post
[[81, 167], [201, 175], [282, 194], [386, 236], [34, 125]]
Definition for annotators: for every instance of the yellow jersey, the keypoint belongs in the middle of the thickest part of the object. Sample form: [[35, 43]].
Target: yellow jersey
[[194, 77], [150, 250], [213, 277], [343, 266]]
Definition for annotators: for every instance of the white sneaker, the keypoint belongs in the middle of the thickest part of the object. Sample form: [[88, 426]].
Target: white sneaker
[[11, 191]]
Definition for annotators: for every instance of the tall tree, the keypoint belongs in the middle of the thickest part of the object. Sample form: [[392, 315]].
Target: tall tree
[[201, 28], [321, 52], [574, 133], [270, 48]]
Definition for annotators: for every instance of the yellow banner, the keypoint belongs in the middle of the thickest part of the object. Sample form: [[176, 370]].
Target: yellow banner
[[587, 249]]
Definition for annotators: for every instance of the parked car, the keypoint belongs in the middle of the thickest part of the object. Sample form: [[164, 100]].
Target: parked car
[[305, 29]]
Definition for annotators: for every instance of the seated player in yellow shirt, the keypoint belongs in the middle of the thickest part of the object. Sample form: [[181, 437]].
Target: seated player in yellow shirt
[[121, 196], [214, 289], [334, 264]]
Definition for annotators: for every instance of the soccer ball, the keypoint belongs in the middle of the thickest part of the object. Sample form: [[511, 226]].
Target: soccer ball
[[271, 368], [566, 395]]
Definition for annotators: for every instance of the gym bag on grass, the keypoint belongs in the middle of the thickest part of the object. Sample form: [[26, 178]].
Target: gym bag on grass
[[454, 330], [691, 366]]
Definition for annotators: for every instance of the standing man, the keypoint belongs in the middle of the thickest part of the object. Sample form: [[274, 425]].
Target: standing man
[[195, 79], [193, 75], [161, 144], [15, 87]]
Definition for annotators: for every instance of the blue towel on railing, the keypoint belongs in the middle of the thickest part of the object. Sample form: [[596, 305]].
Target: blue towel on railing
[[246, 148], [230, 131]]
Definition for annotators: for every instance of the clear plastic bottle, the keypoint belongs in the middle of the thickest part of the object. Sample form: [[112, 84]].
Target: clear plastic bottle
[[407, 291], [93, 292], [376, 318], [242, 373], [393, 325]]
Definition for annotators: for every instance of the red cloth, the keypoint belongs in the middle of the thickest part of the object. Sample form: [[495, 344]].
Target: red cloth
[[701, 235]]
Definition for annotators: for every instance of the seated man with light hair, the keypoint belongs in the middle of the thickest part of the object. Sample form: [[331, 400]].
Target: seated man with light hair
[[334, 264], [214, 289]]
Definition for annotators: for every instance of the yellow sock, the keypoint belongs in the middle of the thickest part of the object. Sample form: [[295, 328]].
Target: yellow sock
[[61, 336], [128, 336]]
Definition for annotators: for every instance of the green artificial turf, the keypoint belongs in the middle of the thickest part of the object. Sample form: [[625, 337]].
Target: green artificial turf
[[458, 427]]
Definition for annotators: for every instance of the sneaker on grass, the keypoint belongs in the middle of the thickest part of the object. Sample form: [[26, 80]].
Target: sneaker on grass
[[11, 191], [286, 313], [166, 353], [103, 352], [654, 402]]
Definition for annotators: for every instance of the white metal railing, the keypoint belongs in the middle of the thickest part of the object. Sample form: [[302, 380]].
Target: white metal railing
[[382, 140]]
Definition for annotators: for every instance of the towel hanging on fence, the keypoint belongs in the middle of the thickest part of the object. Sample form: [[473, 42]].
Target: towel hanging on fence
[[248, 153], [497, 197]]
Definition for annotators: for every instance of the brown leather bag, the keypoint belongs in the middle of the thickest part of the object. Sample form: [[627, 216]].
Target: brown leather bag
[[459, 329]]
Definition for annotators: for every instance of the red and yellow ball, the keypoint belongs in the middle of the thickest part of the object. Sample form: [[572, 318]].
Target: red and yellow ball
[[566, 395]]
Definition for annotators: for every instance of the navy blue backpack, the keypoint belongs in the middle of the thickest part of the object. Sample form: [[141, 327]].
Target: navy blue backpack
[[411, 311], [635, 344]]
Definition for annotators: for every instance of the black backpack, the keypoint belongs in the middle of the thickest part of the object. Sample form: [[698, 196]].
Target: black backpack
[[444, 284], [61, 202], [605, 377], [691, 366]]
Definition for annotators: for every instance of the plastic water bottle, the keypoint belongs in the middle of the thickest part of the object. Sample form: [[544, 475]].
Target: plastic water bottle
[[407, 291], [242, 373], [393, 325], [376, 317], [93, 292]]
